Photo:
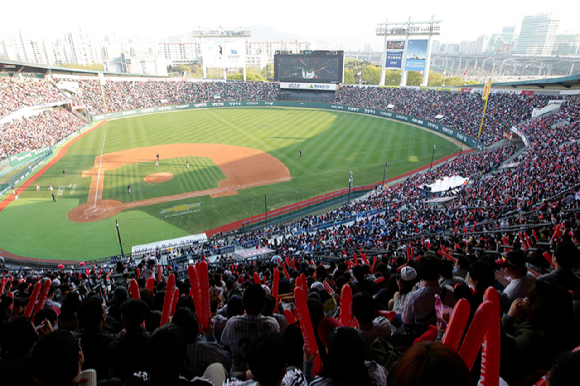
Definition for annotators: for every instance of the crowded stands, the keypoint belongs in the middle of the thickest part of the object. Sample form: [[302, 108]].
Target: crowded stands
[[37, 132], [376, 292]]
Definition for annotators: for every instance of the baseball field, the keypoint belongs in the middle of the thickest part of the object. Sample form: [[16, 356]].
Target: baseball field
[[214, 168]]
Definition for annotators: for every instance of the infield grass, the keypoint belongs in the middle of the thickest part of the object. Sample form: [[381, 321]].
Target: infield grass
[[332, 144]]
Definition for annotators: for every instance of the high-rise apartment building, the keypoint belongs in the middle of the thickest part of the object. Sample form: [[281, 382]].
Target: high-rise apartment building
[[538, 34], [85, 48]]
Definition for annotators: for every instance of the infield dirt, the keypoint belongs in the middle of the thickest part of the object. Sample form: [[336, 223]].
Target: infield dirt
[[242, 166]]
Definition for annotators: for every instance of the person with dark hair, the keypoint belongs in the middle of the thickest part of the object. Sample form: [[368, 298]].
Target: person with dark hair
[[271, 308], [240, 331], [345, 363], [565, 370], [514, 276], [202, 350], [95, 341], [432, 364], [481, 276], [126, 353], [52, 369], [531, 340], [565, 258], [364, 285], [370, 328], [17, 337], [120, 295], [419, 307], [166, 352], [267, 359]]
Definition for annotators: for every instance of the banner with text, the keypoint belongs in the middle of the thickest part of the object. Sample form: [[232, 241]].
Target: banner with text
[[416, 54], [233, 54], [308, 86], [395, 54], [213, 53]]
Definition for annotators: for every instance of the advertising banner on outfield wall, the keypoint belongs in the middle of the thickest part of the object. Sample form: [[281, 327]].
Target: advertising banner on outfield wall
[[416, 54], [470, 141], [27, 156]]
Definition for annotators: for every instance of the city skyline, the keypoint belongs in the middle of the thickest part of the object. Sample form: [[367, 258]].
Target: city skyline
[[303, 20]]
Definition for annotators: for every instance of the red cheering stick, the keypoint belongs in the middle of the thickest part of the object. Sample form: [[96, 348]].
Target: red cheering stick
[[528, 240], [175, 299], [134, 287], [202, 271], [409, 253], [505, 241], [542, 382], [275, 283], [150, 283], [305, 323], [303, 283], [447, 256], [43, 296], [159, 273], [354, 322], [548, 257], [257, 278], [138, 271], [364, 258], [379, 280], [355, 259], [535, 235], [286, 272], [536, 274], [401, 267], [390, 315], [194, 291], [289, 316], [345, 315], [167, 303], [374, 261], [557, 234], [32, 300], [523, 241], [457, 323], [328, 288], [474, 337], [490, 353], [2, 285], [87, 272]]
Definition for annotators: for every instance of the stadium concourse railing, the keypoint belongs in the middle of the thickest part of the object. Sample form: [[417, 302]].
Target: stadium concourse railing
[[448, 131]]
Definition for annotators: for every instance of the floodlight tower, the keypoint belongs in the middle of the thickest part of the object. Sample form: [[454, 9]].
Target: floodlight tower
[[408, 29], [223, 33]]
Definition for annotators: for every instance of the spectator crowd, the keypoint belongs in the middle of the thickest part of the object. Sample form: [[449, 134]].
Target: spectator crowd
[[378, 274]]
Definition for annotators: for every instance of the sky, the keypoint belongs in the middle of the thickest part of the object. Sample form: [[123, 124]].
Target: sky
[[315, 20]]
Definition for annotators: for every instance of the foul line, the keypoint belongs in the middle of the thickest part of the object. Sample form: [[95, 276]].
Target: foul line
[[100, 163]]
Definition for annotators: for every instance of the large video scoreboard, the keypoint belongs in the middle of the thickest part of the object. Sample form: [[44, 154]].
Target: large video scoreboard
[[309, 66]]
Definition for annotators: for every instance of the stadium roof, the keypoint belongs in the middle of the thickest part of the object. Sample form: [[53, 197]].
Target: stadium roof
[[560, 83], [14, 66]]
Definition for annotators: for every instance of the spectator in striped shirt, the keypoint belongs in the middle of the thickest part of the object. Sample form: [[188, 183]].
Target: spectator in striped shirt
[[369, 327], [241, 331]]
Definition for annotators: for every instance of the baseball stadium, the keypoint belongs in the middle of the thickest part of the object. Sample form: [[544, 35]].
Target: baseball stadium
[[150, 193]]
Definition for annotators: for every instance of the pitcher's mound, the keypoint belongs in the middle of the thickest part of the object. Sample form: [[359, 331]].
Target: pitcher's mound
[[158, 177]]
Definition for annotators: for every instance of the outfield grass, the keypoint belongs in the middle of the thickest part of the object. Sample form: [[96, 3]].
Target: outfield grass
[[332, 144]]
